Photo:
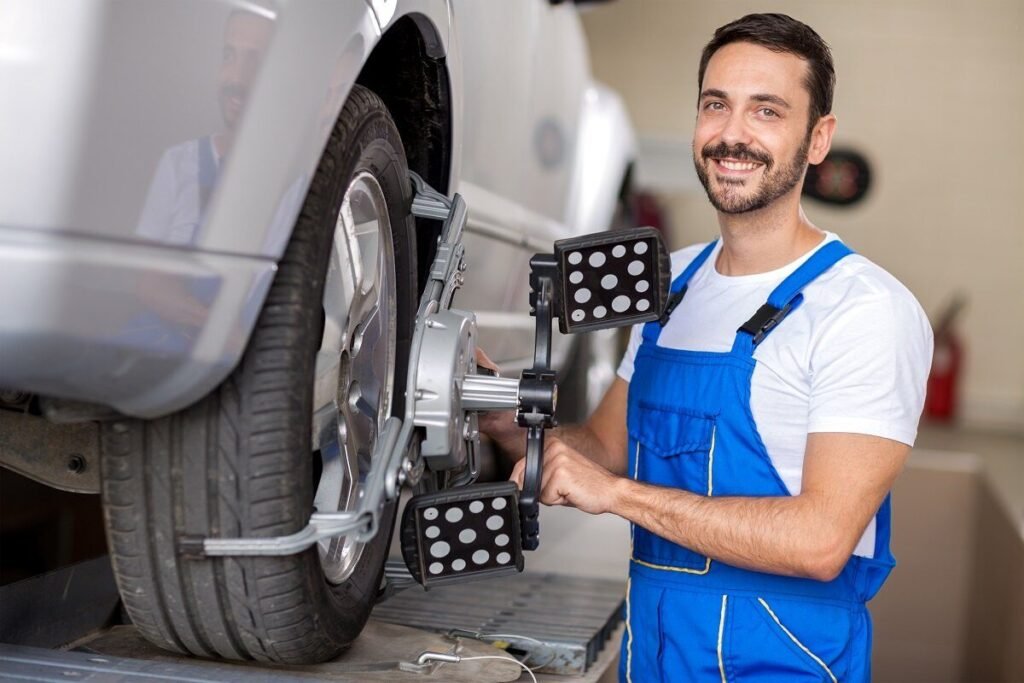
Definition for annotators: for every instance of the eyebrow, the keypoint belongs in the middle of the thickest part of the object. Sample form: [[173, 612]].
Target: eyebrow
[[771, 99], [760, 97], [714, 92]]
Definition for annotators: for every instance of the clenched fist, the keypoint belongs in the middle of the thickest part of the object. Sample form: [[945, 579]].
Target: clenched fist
[[570, 478]]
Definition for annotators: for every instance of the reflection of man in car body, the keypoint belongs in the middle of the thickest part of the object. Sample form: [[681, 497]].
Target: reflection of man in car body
[[753, 445], [179, 193], [180, 189]]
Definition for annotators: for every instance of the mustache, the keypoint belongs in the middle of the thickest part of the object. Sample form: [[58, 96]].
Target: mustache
[[234, 90], [740, 152]]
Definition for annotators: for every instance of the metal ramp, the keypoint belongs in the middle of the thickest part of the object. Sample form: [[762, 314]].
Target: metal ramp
[[560, 623], [65, 626]]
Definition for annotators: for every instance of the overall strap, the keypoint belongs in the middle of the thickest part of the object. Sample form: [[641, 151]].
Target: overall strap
[[787, 296], [652, 330], [207, 169]]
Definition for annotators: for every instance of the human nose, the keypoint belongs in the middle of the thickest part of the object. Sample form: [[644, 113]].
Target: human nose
[[734, 130]]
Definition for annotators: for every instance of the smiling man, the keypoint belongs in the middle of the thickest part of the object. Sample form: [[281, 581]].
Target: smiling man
[[753, 437]]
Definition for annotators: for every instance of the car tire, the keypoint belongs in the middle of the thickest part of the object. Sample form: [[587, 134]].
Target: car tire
[[242, 462]]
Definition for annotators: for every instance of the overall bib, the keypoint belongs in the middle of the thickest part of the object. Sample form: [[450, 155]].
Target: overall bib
[[691, 618]]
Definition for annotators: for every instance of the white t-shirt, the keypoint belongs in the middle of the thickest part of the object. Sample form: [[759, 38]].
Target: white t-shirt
[[853, 357], [175, 201]]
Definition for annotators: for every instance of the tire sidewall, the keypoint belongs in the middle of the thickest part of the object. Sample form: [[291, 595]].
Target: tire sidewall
[[366, 140]]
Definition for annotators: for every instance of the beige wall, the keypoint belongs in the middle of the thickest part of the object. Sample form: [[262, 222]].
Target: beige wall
[[933, 94], [953, 608]]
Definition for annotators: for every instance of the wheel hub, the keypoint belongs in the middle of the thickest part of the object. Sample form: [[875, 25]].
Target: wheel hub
[[355, 364]]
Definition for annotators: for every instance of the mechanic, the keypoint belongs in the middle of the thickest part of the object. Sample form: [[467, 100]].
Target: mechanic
[[753, 437]]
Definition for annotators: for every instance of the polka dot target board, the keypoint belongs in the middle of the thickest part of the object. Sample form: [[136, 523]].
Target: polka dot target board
[[608, 281], [458, 535]]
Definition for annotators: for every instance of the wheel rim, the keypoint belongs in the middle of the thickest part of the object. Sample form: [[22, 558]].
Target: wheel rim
[[355, 365]]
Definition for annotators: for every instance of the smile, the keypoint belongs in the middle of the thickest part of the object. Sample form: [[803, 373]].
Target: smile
[[730, 165]]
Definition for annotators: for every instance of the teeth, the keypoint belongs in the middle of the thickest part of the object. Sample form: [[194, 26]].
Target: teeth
[[738, 165]]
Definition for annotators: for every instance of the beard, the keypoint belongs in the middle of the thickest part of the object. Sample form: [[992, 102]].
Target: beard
[[232, 99], [729, 197]]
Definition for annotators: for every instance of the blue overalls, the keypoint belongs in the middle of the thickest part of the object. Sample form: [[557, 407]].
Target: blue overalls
[[691, 618]]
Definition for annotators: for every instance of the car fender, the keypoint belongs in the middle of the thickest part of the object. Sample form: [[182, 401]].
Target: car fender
[[605, 149]]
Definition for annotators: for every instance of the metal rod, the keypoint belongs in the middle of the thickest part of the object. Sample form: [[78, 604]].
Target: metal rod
[[485, 392]]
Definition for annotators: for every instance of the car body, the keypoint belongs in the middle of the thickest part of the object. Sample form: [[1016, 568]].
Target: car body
[[116, 297]]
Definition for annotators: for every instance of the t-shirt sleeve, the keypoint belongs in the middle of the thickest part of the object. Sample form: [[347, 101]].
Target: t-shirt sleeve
[[869, 369], [626, 366]]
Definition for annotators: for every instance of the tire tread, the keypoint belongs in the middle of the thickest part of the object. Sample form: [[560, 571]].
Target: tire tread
[[226, 467]]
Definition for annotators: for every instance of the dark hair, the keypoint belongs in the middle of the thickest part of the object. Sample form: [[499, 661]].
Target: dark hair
[[781, 33]]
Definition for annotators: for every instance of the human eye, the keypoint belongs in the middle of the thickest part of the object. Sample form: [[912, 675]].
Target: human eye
[[768, 113], [714, 105]]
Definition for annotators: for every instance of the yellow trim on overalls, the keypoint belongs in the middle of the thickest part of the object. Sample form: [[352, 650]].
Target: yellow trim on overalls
[[629, 635], [666, 567], [632, 557], [803, 647], [721, 631]]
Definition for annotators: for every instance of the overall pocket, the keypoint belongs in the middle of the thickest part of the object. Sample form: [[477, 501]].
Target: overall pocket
[[774, 639], [675, 449]]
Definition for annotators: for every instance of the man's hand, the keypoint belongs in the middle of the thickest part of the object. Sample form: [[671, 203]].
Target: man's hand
[[572, 479], [501, 425]]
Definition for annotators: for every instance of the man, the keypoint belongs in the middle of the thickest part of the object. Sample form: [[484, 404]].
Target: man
[[753, 439], [187, 173]]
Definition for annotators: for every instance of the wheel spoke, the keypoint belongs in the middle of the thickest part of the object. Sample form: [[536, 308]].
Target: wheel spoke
[[355, 363]]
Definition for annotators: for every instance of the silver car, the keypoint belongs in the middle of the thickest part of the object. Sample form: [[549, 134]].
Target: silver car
[[210, 269]]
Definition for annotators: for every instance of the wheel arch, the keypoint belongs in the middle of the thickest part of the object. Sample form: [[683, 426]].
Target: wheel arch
[[408, 70]]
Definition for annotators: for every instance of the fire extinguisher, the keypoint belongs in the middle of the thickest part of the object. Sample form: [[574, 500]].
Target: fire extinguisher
[[947, 361]]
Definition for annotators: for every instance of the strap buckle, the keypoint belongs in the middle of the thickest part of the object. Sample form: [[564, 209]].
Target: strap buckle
[[765, 320], [674, 300]]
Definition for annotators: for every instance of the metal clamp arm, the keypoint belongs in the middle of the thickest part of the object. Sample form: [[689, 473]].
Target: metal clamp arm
[[538, 396]]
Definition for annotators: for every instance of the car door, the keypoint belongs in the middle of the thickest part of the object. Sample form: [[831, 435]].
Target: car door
[[523, 69]]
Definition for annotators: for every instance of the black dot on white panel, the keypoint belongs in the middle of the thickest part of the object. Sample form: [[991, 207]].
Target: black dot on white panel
[[610, 280]]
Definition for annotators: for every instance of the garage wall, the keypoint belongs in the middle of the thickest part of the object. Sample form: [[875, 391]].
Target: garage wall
[[932, 93], [953, 608]]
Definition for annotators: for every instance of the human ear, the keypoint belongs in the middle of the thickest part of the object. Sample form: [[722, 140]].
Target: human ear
[[821, 139]]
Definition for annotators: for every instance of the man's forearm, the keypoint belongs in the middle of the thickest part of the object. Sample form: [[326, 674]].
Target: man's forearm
[[789, 535], [583, 439]]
